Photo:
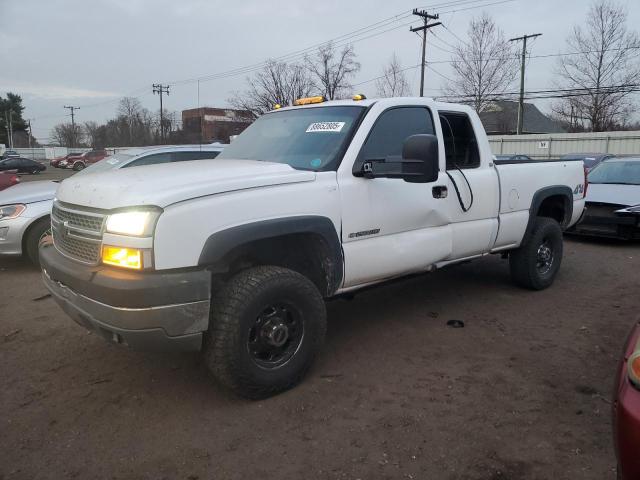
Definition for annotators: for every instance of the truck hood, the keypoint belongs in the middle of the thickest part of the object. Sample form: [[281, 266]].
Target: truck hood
[[29, 192], [169, 183], [616, 194]]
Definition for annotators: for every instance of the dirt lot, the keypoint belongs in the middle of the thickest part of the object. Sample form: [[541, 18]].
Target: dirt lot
[[49, 174], [522, 392]]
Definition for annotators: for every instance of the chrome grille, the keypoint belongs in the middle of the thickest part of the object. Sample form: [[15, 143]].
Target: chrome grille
[[91, 222], [77, 234]]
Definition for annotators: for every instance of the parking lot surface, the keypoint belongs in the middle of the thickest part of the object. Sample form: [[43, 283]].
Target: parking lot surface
[[49, 174], [521, 392]]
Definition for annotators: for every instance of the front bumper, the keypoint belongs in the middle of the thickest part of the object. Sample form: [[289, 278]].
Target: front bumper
[[11, 233], [157, 311], [602, 220]]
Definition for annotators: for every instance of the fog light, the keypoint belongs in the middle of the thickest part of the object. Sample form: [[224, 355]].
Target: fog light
[[122, 257]]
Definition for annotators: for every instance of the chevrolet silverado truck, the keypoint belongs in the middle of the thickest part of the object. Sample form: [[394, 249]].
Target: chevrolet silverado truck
[[236, 257]]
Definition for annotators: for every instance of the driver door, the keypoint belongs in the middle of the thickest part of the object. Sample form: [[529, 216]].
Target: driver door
[[391, 227]]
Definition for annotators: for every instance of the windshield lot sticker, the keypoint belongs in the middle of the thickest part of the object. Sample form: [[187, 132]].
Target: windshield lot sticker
[[325, 127]]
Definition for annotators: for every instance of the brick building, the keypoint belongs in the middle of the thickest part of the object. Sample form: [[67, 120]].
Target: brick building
[[208, 124]]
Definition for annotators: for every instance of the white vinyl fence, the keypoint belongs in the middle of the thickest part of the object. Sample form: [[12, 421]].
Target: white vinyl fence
[[558, 144]]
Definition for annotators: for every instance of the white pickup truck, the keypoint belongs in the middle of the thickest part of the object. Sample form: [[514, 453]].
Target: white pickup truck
[[235, 256]]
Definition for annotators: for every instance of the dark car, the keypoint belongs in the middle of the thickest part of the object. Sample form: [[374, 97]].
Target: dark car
[[590, 160], [10, 154], [22, 165], [626, 409], [613, 191], [514, 158]]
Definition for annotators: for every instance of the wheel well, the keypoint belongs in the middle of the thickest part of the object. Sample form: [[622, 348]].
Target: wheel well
[[31, 226], [306, 253], [554, 206]]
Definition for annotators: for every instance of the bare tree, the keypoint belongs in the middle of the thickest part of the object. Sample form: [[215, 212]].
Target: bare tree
[[91, 130], [277, 83], [605, 61], [64, 134], [393, 82], [484, 66], [331, 70]]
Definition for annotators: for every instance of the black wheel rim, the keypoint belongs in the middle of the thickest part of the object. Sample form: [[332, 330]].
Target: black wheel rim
[[275, 336], [545, 257]]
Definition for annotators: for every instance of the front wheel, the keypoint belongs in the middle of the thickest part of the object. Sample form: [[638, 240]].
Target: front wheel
[[78, 166], [535, 264], [267, 325], [40, 231]]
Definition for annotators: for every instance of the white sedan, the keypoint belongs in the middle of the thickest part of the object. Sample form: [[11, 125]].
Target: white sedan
[[25, 208]]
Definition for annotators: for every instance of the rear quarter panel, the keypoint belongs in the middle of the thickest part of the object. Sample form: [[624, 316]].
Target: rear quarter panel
[[519, 182]]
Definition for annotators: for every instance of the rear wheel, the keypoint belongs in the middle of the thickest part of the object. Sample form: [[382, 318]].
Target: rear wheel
[[267, 325], [37, 233], [535, 264]]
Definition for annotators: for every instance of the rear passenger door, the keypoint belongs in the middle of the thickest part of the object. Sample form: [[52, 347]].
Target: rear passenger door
[[472, 187]]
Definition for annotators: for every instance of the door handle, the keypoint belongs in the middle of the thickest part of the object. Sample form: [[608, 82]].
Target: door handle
[[439, 191]]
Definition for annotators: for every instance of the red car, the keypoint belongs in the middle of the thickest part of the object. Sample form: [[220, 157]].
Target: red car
[[8, 179], [626, 409], [86, 159], [66, 158]]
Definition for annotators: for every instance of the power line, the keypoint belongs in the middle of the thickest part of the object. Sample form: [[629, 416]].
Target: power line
[[365, 32], [341, 40]]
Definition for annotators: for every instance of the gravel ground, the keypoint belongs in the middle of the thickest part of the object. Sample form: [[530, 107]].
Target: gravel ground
[[521, 392]]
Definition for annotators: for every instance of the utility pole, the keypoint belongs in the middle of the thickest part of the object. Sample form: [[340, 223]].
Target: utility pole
[[160, 89], [8, 123], [425, 26], [522, 67], [73, 123]]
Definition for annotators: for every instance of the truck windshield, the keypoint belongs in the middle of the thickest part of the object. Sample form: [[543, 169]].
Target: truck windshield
[[305, 138], [624, 172]]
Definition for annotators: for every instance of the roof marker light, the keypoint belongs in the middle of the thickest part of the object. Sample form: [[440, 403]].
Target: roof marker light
[[309, 100]]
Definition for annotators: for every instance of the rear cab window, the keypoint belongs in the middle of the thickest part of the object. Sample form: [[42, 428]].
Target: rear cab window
[[460, 142]]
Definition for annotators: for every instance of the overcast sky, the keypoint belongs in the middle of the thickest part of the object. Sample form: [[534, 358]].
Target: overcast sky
[[90, 53]]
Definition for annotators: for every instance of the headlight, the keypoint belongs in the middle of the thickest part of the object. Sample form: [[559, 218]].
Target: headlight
[[633, 367], [135, 223], [11, 211]]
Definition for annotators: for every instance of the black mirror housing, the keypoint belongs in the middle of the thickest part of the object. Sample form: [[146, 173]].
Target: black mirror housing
[[418, 164], [423, 149]]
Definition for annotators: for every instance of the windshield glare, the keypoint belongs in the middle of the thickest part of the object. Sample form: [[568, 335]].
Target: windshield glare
[[109, 163], [305, 138], [622, 172]]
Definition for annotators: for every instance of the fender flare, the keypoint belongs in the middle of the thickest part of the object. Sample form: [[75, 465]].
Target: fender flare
[[221, 243], [556, 190]]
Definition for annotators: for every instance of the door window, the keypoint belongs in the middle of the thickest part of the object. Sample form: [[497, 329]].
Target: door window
[[460, 144], [151, 160], [195, 155], [391, 130]]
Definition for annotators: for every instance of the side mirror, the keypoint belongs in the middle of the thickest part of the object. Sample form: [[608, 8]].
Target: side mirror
[[418, 164]]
